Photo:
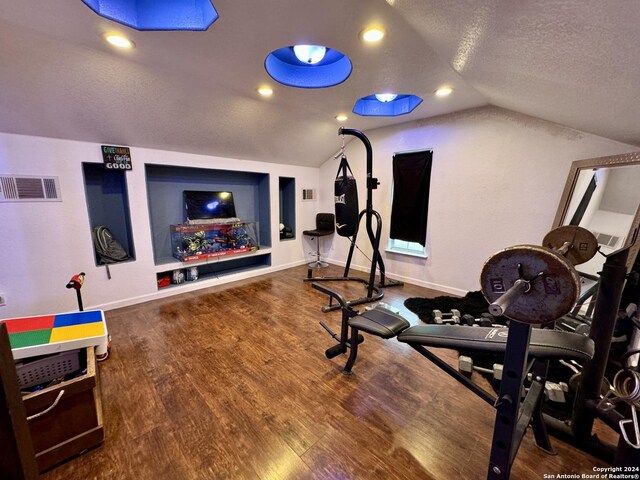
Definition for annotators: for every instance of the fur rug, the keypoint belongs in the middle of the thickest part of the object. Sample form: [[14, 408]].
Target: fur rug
[[473, 303]]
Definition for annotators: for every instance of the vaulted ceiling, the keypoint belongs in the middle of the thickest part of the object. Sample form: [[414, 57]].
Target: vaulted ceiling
[[574, 62]]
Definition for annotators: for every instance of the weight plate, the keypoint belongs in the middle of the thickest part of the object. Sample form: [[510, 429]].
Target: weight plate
[[551, 296], [584, 244]]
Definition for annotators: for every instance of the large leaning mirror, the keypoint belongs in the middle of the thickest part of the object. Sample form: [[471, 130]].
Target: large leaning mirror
[[603, 196]]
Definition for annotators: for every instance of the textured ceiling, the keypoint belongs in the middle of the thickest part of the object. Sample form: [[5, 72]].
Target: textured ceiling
[[570, 62]]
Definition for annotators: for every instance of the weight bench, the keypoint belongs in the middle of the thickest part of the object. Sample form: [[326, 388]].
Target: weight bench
[[525, 349], [530, 285], [544, 344]]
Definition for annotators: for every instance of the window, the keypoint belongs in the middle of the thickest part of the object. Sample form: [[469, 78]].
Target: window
[[406, 248], [410, 202]]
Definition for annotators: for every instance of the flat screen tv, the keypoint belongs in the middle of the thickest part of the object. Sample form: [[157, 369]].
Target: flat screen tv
[[208, 205]]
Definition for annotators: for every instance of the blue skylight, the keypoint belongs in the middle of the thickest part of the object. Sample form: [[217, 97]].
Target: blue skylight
[[401, 105], [284, 67], [157, 15]]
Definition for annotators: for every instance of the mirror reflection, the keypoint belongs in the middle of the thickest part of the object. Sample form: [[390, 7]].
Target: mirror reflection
[[605, 201]]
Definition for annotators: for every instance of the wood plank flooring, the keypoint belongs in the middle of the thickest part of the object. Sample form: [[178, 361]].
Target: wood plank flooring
[[231, 382]]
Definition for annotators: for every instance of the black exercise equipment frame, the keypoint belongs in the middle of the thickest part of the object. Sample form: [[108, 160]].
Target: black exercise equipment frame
[[349, 338], [513, 415], [376, 259], [578, 431]]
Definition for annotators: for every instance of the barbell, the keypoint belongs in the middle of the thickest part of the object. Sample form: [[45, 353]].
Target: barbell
[[538, 284]]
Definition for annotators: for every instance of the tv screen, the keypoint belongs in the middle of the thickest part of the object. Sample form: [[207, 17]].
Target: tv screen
[[206, 205]]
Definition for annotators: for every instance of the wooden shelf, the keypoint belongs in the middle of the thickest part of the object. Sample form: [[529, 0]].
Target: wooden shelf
[[174, 264], [213, 269]]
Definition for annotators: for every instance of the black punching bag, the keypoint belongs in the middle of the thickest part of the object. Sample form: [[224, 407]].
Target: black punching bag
[[346, 198]]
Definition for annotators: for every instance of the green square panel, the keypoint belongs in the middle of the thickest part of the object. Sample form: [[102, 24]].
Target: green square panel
[[28, 339]]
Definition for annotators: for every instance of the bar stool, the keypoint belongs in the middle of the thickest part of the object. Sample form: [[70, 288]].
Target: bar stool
[[325, 225]]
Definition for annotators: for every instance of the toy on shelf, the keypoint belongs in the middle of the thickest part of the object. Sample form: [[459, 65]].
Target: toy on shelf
[[198, 242]]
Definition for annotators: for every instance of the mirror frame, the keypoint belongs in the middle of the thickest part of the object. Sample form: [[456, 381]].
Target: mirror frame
[[599, 162]]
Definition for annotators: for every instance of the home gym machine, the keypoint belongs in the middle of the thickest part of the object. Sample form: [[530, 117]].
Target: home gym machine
[[374, 292], [528, 284], [617, 409]]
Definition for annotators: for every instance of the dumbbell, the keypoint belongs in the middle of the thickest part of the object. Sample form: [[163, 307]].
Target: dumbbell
[[536, 285], [555, 392], [451, 317], [485, 321], [466, 367]]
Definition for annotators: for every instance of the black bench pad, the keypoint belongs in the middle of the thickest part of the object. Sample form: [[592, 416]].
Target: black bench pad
[[545, 344], [380, 322]]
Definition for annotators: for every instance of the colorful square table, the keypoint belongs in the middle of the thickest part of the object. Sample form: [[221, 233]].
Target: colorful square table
[[47, 334]]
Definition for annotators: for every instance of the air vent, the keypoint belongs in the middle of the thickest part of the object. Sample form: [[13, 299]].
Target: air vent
[[29, 188], [607, 240], [308, 194]]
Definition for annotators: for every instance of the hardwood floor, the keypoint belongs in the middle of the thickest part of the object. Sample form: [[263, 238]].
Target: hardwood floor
[[232, 382]]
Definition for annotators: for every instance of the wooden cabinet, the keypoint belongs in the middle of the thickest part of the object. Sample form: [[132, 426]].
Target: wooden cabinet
[[74, 424]]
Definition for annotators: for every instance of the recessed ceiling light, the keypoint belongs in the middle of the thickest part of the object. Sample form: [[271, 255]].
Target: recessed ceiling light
[[265, 91], [372, 34], [386, 97], [119, 41], [444, 91], [310, 54], [341, 118]]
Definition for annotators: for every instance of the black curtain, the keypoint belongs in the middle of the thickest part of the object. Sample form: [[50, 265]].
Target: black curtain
[[584, 203], [411, 178]]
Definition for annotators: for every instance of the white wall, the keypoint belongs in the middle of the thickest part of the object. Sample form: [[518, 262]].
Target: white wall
[[496, 181], [43, 244]]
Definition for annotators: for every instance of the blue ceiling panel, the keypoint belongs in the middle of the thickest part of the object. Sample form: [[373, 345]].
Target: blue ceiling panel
[[370, 106], [157, 15], [284, 67]]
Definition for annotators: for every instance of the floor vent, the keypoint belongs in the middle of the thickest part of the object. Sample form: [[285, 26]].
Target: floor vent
[[29, 188]]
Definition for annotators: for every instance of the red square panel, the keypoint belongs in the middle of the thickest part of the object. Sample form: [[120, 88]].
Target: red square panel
[[17, 325]]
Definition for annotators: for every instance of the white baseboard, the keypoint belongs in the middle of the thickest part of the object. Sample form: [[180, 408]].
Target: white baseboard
[[197, 285], [212, 282], [414, 281]]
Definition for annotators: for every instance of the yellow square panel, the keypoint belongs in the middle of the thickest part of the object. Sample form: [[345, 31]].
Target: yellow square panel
[[74, 332]]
